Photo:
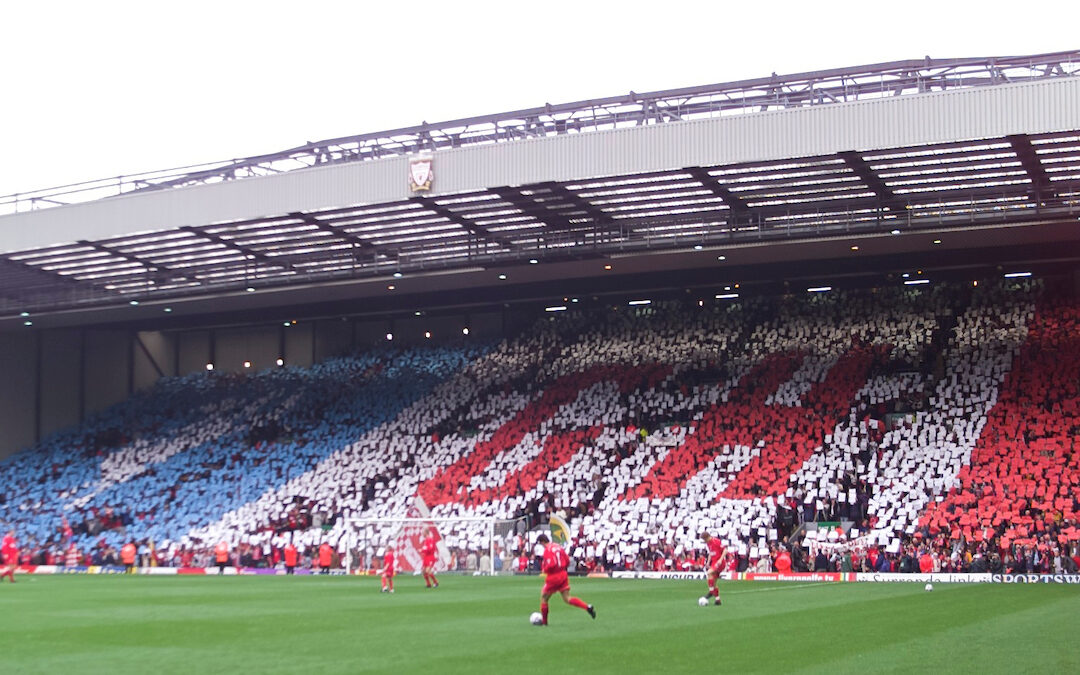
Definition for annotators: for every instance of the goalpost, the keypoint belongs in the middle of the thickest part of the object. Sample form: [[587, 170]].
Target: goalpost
[[369, 536]]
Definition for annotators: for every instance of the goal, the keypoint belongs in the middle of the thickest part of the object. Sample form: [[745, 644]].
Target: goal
[[470, 545]]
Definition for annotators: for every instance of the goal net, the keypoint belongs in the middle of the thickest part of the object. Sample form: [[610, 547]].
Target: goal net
[[468, 545]]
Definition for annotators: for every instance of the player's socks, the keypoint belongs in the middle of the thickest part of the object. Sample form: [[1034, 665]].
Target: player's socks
[[391, 585], [543, 611], [427, 580], [580, 604], [715, 592]]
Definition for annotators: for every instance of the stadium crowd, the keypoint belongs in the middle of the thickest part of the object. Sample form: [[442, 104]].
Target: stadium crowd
[[935, 425]]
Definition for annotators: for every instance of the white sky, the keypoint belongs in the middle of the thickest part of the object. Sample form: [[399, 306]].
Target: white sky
[[96, 89]]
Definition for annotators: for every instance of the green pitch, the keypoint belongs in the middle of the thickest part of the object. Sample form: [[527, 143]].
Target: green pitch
[[92, 624]]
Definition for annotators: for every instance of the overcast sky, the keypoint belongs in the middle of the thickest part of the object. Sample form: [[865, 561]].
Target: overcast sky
[[96, 89]]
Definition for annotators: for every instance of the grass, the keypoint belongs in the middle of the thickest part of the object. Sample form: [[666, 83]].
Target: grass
[[92, 624]]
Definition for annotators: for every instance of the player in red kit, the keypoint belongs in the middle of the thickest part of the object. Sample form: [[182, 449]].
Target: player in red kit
[[554, 566], [429, 550], [717, 557], [388, 570], [9, 556]]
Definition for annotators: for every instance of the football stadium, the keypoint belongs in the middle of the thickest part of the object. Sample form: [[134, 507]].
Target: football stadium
[[780, 374]]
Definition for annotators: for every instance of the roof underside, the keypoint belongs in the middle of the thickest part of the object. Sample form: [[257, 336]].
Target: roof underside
[[1026, 170], [960, 184]]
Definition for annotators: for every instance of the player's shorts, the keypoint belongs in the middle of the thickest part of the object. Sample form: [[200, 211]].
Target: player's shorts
[[388, 573], [717, 567], [556, 583], [11, 558], [428, 562]]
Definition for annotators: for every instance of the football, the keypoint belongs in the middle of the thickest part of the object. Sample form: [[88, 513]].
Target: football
[[703, 601], [929, 587], [536, 619]]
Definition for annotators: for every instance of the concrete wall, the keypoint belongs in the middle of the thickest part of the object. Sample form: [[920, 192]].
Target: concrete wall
[[61, 367], [333, 337], [55, 379], [257, 345], [18, 391]]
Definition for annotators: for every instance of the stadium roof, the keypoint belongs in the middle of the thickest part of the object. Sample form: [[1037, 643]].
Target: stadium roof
[[1006, 158]]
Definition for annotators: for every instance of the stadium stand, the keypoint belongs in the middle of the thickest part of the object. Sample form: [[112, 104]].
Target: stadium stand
[[934, 424]]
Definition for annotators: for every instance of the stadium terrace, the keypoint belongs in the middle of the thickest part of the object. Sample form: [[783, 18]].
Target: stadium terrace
[[822, 328]]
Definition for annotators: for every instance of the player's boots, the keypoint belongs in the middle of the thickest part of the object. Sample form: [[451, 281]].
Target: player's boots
[[718, 601], [591, 610]]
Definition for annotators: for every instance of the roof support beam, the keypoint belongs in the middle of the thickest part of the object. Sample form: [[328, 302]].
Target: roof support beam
[[151, 266], [1041, 187], [431, 205], [604, 225], [566, 195], [739, 210], [337, 232], [860, 168], [530, 207], [250, 253]]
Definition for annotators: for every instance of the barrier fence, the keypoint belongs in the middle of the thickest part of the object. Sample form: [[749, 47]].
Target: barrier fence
[[827, 577]]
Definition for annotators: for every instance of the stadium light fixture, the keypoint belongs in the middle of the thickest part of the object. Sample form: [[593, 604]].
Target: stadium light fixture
[[247, 364], [281, 361], [24, 314], [250, 289], [209, 366], [555, 308], [397, 275], [819, 289], [607, 268], [133, 303], [906, 275], [389, 336], [391, 287], [502, 277], [721, 258], [287, 324], [635, 303], [417, 313], [726, 296], [167, 310], [573, 300], [427, 334], [916, 282], [28, 323], [465, 331], [1015, 275], [698, 247], [534, 261], [937, 241], [854, 248], [895, 232]]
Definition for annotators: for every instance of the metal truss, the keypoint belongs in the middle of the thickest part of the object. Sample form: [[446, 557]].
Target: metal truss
[[897, 78]]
